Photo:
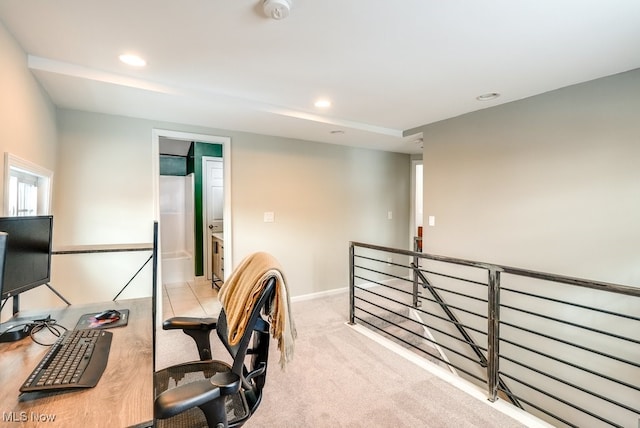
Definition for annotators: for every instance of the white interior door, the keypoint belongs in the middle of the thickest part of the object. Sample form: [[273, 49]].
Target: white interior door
[[213, 203]]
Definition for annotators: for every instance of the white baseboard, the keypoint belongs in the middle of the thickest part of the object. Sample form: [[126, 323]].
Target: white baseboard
[[319, 294], [335, 291]]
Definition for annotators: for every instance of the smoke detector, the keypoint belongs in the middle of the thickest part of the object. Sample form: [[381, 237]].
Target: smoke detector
[[277, 9]]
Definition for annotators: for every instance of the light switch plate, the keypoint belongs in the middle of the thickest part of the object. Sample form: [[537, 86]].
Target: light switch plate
[[432, 220], [269, 217]]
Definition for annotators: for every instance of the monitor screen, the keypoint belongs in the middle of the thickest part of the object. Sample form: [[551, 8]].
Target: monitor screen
[[28, 259]]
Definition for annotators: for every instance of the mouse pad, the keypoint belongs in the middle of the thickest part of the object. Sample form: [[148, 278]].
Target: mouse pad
[[89, 321]]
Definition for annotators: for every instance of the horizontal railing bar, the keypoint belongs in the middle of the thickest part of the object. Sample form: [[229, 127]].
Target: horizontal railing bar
[[575, 345], [578, 387], [378, 261], [453, 277], [572, 324], [454, 307], [423, 311], [359, 287], [457, 293], [422, 324], [380, 272], [452, 260], [371, 281], [577, 305], [367, 290], [442, 346], [475, 376], [597, 285], [371, 269], [570, 364], [563, 401]]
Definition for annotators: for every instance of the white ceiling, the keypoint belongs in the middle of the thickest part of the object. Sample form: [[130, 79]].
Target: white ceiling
[[387, 66]]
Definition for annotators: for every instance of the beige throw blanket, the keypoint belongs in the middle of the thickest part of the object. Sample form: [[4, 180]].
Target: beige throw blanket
[[240, 293]]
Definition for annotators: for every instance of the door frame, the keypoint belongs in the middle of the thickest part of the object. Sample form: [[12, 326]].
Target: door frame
[[156, 133], [417, 201]]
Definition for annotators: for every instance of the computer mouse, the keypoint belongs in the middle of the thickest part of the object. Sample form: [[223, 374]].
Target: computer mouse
[[108, 314]]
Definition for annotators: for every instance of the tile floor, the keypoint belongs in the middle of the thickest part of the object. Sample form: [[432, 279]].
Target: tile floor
[[193, 298]]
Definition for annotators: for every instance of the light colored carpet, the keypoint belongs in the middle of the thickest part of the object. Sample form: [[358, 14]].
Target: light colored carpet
[[340, 378]]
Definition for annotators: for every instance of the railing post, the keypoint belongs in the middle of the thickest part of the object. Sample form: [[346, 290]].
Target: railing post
[[352, 299], [416, 302], [493, 334]]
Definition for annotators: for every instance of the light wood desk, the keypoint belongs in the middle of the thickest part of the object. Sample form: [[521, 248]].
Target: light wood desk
[[123, 396]]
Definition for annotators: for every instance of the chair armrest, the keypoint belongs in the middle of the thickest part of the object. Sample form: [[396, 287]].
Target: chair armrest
[[195, 394], [198, 329], [190, 323]]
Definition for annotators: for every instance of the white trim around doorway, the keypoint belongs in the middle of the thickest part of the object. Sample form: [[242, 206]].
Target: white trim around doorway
[[226, 161]]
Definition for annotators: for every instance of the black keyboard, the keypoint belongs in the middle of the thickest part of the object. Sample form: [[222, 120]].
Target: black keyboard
[[76, 360]]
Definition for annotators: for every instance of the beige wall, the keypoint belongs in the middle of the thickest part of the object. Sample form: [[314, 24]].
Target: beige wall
[[27, 116], [322, 195], [549, 183], [104, 183], [27, 121], [103, 195]]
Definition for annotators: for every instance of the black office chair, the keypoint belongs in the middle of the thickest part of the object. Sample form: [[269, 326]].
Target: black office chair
[[213, 393]]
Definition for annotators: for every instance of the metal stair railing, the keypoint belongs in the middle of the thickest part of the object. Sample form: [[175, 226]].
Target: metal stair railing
[[568, 347], [463, 332]]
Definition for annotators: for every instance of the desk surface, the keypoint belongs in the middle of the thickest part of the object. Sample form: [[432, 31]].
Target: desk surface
[[123, 396]]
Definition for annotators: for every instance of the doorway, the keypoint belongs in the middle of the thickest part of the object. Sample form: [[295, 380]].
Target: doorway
[[200, 242], [417, 213]]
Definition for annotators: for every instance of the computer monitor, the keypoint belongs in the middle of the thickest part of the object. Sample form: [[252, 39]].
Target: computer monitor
[[28, 254]]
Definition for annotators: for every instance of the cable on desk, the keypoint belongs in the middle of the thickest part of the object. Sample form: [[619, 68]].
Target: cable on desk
[[36, 326], [50, 325]]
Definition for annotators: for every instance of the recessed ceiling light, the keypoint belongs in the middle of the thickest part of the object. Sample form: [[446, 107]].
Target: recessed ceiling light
[[132, 60], [488, 97], [323, 103]]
